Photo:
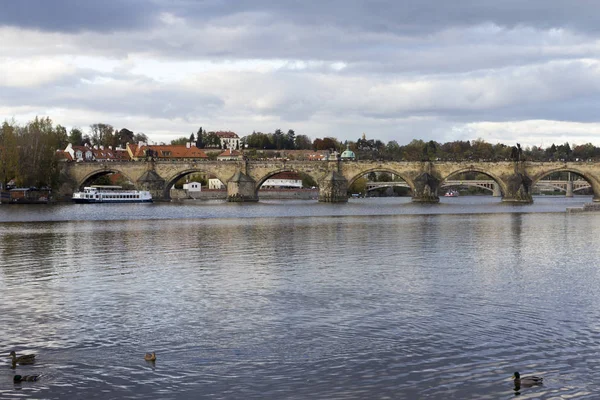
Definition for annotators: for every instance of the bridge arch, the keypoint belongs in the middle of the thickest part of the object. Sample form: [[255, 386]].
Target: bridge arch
[[170, 181], [470, 169], [594, 184], [101, 172], [274, 172], [392, 171]]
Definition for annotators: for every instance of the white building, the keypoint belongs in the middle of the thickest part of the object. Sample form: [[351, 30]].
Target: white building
[[214, 183], [192, 186], [229, 140], [284, 180]]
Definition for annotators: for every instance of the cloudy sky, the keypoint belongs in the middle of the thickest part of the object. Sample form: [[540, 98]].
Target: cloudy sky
[[505, 71]]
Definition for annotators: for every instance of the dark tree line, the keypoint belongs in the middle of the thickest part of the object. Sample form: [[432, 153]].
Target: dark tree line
[[28, 153], [105, 135], [474, 150], [277, 140]]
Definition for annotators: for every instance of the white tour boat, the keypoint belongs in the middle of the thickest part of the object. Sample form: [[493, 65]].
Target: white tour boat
[[111, 194]]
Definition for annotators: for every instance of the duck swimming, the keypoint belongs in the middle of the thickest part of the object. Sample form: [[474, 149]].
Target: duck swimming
[[25, 378], [527, 381], [24, 359], [150, 356]]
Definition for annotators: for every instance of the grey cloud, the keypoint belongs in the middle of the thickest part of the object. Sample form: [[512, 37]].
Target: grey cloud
[[76, 15], [407, 17]]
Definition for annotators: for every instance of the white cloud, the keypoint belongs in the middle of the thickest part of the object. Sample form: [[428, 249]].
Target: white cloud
[[533, 132], [32, 72]]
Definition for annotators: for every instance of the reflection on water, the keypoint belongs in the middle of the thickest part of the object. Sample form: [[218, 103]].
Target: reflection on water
[[430, 304]]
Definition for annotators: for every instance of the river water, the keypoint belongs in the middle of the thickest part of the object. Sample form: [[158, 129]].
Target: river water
[[374, 299]]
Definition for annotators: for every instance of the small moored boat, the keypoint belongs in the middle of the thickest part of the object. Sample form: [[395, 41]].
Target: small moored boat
[[111, 194], [451, 193]]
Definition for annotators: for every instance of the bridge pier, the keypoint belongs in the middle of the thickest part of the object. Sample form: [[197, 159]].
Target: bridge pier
[[153, 183], [241, 188], [496, 190], [569, 189], [518, 189], [426, 189], [333, 188]]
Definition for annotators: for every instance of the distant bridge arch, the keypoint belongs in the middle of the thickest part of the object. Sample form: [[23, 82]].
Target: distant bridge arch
[[478, 183], [391, 171]]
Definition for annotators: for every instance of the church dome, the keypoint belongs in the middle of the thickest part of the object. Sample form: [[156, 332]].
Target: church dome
[[348, 154]]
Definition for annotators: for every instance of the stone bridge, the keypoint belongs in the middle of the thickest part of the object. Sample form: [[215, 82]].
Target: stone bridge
[[567, 186], [244, 178]]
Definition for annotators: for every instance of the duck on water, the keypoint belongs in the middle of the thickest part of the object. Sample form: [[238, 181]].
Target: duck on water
[[24, 359]]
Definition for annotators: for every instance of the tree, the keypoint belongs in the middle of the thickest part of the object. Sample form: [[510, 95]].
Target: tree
[[585, 152], [302, 142], [140, 137], [328, 143], [551, 152], [212, 140], [259, 140], [564, 152], [180, 141], [123, 137], [9, 155], [76, 137], [101, 134], [37, 143], [87, 140], [481, 149], [61, 136], [414, 150], [358, 186], [278, 139], [200, 143], [393, 151], [289, 142]]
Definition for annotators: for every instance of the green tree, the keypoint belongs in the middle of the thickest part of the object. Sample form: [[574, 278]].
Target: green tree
[[140, 137], [9, 155], [358, 186], [38, 164], [302, 142], [61, 136], [76, 137], [102, 134], [123, 137], [290, 140], [393, 151], [200, 142], [212, 140], [180, 141], [414, 150], [481, 149]]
